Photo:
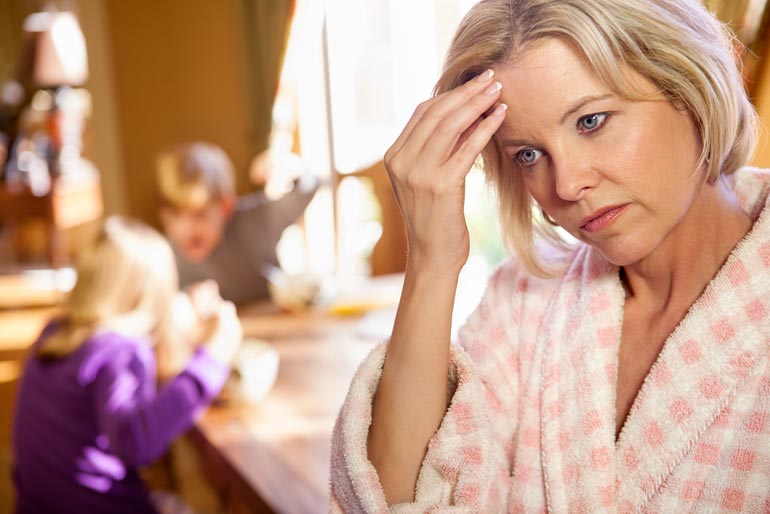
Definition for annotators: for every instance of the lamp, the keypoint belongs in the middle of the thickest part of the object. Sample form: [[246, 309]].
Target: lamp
[[53, 51]]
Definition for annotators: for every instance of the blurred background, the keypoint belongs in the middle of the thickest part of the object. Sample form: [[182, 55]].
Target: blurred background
[[333, 84], [92, 90]]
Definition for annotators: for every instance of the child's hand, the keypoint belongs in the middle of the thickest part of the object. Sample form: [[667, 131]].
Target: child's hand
[[205, 299], [276, 172], [195, 310], [226, 334]]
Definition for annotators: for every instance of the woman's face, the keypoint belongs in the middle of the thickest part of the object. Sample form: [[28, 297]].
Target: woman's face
[[615, 173]]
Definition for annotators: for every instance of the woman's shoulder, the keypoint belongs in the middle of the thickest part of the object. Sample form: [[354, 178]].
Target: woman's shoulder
[[751, 187], [510, 281], [512, 288], [513, 275]]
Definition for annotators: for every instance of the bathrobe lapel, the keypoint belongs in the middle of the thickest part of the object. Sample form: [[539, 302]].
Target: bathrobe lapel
[[581, 338], [703, 362]]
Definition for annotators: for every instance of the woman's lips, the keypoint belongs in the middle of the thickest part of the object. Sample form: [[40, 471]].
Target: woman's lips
[[602, 218]]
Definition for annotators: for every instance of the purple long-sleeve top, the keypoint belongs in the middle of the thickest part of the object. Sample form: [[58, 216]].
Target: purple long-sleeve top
[[86, 422]]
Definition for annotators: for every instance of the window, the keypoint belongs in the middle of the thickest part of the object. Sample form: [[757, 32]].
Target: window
[[355, 71]]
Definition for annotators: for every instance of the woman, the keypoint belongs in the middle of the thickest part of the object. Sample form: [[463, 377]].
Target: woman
[[628, 373]]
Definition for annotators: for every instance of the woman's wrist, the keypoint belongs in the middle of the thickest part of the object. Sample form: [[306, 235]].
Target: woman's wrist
[[427, 274]]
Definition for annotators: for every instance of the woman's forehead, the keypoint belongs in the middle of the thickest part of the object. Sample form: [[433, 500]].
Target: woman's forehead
[[547, 82], [553, 65], [543, 83]]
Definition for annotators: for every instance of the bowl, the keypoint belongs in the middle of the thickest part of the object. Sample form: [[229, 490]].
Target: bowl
[[257, 365], [294, 293]]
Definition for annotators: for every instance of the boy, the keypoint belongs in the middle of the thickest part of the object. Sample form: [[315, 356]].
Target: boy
[[216, 235]]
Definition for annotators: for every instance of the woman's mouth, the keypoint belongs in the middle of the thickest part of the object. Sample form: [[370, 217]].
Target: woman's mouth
[[602, 218]]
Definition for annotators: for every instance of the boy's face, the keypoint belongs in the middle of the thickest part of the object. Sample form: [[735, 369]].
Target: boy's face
[[196, 232]]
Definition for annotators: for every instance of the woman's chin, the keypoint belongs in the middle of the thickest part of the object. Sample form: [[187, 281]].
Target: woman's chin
[[623, 254]]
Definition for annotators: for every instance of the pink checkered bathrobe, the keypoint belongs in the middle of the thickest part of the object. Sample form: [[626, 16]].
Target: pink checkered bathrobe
[[531, 423]]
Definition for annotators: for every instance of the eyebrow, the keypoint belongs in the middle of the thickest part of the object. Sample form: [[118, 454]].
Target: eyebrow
[[582, 102]]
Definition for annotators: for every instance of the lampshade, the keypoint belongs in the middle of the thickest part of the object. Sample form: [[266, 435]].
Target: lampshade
[[53, 51]]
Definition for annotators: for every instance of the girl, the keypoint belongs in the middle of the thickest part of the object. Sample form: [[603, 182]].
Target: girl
[[88, 412]]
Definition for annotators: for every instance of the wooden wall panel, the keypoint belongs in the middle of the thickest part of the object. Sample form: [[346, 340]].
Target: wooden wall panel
[[180, 76]]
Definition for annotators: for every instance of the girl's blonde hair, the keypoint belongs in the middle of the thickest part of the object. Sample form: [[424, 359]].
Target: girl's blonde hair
[[678, 45], [126, 282]]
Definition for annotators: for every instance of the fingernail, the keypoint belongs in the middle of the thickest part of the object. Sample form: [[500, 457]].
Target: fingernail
[[500, 110], [494, 88], [485, 75]]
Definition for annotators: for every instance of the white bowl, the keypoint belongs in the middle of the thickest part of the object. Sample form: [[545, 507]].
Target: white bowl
[[257, 364], [294, 293]]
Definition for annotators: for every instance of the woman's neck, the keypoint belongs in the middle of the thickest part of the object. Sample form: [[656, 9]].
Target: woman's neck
[[676, 272]]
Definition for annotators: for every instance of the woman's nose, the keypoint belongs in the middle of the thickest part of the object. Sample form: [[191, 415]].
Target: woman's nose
[[574, 176]]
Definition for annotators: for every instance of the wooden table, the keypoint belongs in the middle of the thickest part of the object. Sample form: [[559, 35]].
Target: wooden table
[[273, 456]]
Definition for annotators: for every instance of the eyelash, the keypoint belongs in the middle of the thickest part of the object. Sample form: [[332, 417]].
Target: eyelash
[[524, 163], [603, 117]]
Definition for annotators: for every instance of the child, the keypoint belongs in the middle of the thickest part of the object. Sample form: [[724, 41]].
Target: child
[[88, 411], [216, 235]]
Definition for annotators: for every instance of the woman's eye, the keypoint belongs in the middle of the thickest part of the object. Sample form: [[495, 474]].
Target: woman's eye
[[528, 156], [591, 122]]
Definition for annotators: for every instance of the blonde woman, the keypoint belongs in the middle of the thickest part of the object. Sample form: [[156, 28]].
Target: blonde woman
[[88, 411], [626, 373]]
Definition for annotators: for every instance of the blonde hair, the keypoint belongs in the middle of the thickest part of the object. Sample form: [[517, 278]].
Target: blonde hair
[[126, 282], [678, 45], [191, 175]]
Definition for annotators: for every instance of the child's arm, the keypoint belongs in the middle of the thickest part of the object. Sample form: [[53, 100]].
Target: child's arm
[[139, 423], [280, 212], [290, 206]]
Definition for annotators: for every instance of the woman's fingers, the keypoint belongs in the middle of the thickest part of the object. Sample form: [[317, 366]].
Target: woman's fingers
[[468, 132], [442, 142], [429, 113], [428, 163], [476, 140], [434, 137]]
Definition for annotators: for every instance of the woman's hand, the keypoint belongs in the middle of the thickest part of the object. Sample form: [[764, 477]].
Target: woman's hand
[[428, 164]]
